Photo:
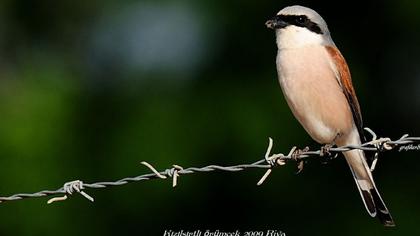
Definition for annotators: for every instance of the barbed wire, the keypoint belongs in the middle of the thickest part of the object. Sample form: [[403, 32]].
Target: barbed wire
[[269, 162]]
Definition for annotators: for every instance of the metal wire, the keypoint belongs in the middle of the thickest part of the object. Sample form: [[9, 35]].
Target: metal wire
[[269, 162]]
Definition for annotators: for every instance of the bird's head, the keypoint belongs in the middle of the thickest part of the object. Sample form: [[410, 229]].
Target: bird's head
[[298, 26]]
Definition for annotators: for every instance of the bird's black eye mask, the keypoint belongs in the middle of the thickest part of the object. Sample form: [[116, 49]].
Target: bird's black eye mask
[[298, 20]]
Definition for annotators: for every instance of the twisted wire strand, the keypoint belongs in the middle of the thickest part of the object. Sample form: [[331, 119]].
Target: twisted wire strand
[[268, 163]]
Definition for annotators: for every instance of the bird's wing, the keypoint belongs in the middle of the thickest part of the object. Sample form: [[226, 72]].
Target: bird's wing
[[344, 79], [356, 158]]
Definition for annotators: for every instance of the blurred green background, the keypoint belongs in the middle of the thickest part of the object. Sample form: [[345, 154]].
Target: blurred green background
[[88, 89]]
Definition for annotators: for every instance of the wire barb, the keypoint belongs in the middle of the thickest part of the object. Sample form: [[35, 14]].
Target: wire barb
[[70, 188], [175, 169], [153, 170], [269, 162], [380, 144], [273, 160]]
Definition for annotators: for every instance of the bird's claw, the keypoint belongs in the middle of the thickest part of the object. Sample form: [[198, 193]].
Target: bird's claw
[[325, 150], [298, 152], [300, 167], [296, 156]]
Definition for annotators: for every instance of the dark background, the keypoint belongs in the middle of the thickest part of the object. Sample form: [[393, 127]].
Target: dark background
[[88, 89]]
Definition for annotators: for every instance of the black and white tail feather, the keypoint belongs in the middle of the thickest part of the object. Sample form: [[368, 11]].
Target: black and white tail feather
[[367, 188]]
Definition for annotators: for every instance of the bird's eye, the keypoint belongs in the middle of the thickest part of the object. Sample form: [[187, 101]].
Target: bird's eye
[[301, 19]]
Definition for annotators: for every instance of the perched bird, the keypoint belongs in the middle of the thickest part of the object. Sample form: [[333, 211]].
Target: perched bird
[[316, 83]]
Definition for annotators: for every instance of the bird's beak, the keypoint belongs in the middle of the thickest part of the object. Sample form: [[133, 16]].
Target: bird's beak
[[276, 23]]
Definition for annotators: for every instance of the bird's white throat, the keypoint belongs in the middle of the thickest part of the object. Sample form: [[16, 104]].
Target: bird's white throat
[[296, 37]]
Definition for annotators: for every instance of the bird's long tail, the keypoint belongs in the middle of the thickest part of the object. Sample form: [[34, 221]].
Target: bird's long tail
[[368, 191]]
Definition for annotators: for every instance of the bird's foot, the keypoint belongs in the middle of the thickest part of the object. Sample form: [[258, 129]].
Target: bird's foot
[[296, 156], [325, 152], [298, 152]]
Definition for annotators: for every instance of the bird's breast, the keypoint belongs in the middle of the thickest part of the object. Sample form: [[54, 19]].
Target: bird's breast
[[313, 93]]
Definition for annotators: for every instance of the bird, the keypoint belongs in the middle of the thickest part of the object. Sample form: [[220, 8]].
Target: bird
[[316, 83]]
